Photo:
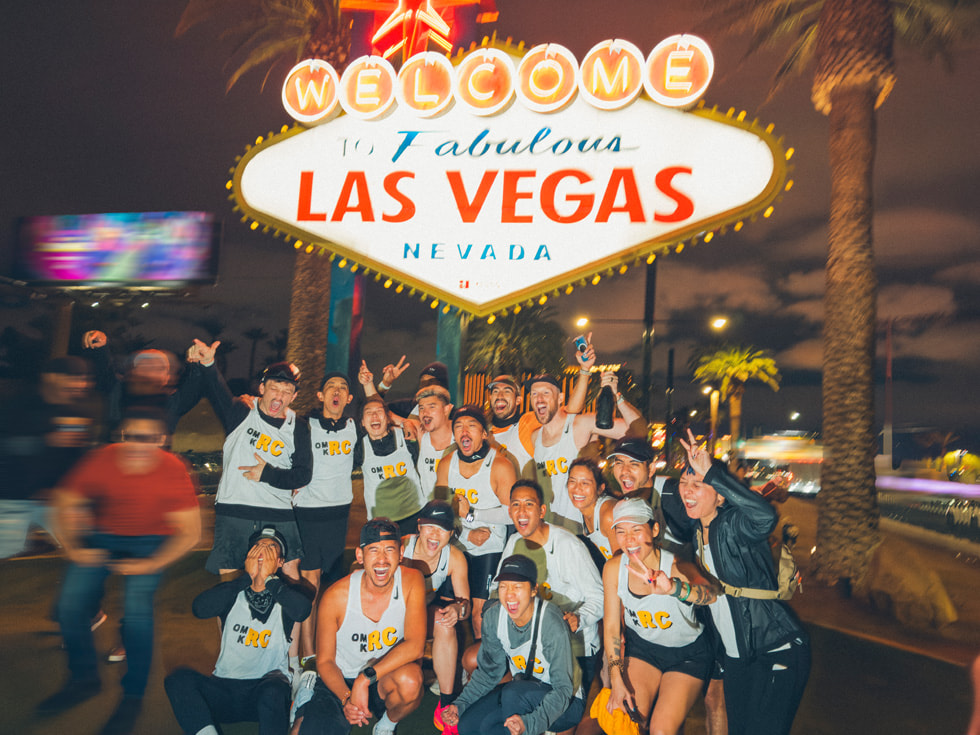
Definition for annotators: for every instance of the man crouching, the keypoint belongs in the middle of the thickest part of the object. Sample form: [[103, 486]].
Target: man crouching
[[370, 635], [258, 613]]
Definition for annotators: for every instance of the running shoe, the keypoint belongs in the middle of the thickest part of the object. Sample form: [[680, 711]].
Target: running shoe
[[100, 617], [117, 654]]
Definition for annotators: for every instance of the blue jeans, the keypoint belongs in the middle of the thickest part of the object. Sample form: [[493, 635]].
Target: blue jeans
[[16, 519], [81, 595]]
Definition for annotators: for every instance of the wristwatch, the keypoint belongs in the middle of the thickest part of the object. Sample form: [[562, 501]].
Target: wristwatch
[[371, 675]]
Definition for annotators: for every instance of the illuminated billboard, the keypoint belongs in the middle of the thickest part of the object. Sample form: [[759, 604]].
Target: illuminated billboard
[[511, 174], [123, 249]]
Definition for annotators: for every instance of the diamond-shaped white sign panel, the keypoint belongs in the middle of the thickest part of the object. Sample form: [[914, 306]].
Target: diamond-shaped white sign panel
[[486, 212]]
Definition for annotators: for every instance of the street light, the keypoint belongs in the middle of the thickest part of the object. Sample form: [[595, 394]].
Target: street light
[[581, 322], [719, 322]]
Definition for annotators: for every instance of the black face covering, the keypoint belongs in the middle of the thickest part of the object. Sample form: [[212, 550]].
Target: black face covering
[[504, 423], [477, 456], [260, 603]]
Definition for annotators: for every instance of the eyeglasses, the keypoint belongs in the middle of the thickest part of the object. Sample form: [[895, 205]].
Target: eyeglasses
[[142, 438]]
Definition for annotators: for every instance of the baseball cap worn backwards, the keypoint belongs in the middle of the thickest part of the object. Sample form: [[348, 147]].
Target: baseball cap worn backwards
[[543, 378], [504, 380], [632, 510], [474, 412], [377, 530], [281, 371]]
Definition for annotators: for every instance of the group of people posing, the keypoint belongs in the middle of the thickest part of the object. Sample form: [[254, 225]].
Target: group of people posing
[[536, 565]]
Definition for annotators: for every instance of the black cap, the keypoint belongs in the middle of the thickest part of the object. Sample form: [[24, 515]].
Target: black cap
[[504, 380], [517, 568], [543, 378], [633, 448], [435, 371], [379, 529], [269, 532], [335, 374], [67, 365], [438, 513], [474, 412], [284, 371]]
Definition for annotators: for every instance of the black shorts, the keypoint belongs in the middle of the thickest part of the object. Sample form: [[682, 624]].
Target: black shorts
[[324, 532], [695, 659], [324, 713], [482, 569], [231, 536]]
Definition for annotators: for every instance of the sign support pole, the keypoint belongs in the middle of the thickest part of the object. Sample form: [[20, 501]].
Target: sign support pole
[[451, 348]]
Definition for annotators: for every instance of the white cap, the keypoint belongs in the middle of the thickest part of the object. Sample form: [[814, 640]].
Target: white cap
[[632, 510]]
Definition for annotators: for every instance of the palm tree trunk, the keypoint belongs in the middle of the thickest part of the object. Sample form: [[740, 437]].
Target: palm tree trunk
[[735, 418], [309, 317], [847, 529]]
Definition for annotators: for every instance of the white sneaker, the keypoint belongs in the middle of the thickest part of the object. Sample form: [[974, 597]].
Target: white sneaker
[[384, 728], [434, 688]]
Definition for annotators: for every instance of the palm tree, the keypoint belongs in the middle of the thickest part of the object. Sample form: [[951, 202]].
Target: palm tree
[[851, 43], [529, 341], [732, 367], [279, 33]]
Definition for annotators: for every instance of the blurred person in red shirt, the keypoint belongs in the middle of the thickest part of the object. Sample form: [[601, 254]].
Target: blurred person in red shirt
[[131, 509]]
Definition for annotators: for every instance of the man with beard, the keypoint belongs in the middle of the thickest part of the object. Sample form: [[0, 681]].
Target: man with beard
[[632, 466], [562, 436], [511, 429], [322, 508], [370, 635], [480, 478], [567, 576], [267, 455]]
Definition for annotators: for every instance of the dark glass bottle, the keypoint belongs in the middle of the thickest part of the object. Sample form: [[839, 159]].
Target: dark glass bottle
[[605, 404]]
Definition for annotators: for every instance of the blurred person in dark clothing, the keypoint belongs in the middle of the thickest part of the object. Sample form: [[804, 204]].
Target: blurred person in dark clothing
[[43, 432], [151, 379]]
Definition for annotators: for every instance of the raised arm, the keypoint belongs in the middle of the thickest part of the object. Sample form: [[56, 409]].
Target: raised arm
[[580, 391]]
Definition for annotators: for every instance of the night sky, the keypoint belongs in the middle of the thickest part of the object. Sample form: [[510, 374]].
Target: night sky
[[104, 110]]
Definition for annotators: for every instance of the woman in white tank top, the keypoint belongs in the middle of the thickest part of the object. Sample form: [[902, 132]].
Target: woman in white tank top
[[659, 654], [586, 490]]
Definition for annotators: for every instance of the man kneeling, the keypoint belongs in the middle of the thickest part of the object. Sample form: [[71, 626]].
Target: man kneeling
[[370, 635], [528, 636], [258, 613]]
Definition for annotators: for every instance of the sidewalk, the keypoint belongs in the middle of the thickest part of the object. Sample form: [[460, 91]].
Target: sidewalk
[[869, 674]]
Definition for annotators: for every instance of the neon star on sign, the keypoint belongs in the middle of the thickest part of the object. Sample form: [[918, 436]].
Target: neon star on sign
[[508, 176]]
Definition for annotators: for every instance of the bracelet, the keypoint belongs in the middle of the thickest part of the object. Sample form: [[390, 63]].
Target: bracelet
[[678, 586], [618, 663], [687, 592], [584, 371], [384, 386], [619, 398], [346, 699]]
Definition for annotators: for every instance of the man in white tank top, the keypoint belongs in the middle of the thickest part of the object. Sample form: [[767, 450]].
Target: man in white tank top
[[480, 479], [435, 435], [322, 508], [251, 677], [370, 636], [562, 436], [511, 430]]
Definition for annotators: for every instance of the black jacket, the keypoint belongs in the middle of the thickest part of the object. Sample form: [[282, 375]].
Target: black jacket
[[739, 539]]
